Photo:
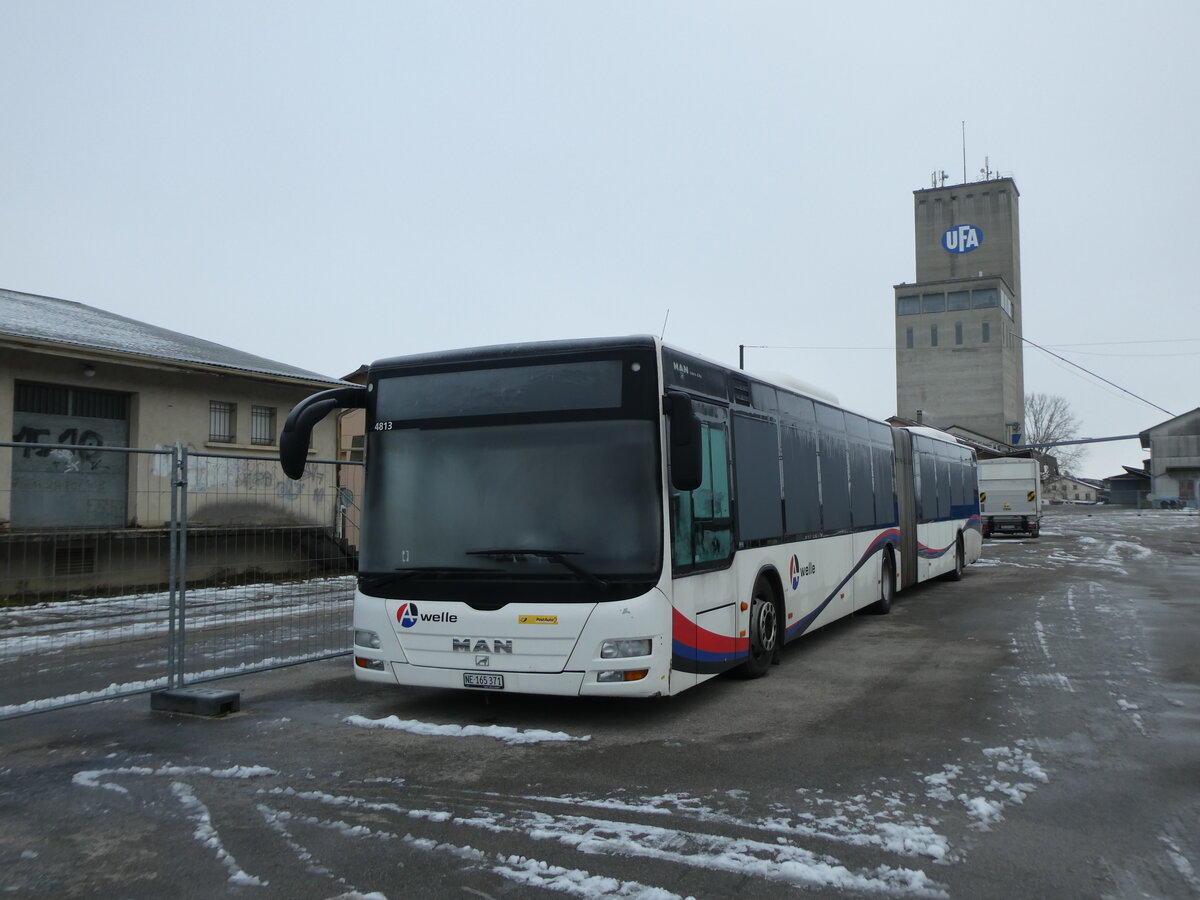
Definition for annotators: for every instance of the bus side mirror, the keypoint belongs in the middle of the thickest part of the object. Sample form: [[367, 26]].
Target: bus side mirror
[[297, 430], [686, 451]]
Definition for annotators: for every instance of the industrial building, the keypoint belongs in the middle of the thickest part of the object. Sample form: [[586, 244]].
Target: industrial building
[[1174, 448], [959, 360]]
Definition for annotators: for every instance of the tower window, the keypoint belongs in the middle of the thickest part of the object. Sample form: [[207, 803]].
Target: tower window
[[908, 338], [958, 332], [932, 335], [985, 299], [908, 306], [987, 332]]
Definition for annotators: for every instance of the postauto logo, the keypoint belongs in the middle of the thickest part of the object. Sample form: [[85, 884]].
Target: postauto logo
[[962, 238], [406, 615]]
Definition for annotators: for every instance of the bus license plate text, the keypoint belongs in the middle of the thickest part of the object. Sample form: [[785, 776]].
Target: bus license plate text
[[481, 680]]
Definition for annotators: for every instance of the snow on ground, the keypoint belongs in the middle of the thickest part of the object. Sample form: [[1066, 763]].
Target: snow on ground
[[918, 818], [499, 732], [709, 832], [129, 688], [49, 627], [207, 834], [72, 641]]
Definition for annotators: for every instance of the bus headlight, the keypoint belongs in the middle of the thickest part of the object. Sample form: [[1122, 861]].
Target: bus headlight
[[617, 676], [621, 649], [364, 638]]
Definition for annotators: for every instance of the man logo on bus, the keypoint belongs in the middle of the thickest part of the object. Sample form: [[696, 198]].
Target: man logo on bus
[[962, 238], [406, 615]]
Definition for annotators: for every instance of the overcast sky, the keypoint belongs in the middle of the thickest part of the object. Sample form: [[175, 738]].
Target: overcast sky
[[330, 184]]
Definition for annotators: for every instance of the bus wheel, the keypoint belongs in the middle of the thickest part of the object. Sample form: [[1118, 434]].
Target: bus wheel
[[887, 585], [956, 573], [764, 631]]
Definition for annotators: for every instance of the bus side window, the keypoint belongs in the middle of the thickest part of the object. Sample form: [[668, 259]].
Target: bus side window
[[702, 525], [714, 528], [681, 518]]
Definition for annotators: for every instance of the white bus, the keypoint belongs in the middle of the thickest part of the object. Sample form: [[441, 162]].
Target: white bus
[[616, 517]]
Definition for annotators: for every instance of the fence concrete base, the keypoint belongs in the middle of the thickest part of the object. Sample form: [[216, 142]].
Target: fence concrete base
[[208, 702]]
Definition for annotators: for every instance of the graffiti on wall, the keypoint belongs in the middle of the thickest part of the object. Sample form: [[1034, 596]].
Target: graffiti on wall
[[82, 484], [74, 460], [252, 489]]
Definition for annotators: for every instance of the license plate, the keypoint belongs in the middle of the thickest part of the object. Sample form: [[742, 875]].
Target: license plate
[[483, 680]]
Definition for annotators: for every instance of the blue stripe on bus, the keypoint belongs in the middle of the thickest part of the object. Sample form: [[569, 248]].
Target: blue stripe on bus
[[889, 537], [687, 658]]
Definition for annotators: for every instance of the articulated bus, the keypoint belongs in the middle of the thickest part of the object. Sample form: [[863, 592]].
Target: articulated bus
[[616, 517]]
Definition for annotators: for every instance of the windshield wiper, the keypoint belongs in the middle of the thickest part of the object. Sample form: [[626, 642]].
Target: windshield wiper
[[504, 554], [380, 579]]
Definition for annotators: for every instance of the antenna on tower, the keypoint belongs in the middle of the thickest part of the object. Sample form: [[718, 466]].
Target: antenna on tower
[[964, 135]]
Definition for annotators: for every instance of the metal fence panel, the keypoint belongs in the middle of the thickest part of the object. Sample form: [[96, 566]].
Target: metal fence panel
[[269, 579], [218, 565], [84, 610]]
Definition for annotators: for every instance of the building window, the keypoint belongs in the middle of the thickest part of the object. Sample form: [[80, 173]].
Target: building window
[[222, 421], [958, 332], [985, 299], [933, 302], [908, 338], [262, 425], [958, 300], [908, 306], [1006, 303], [987, 332], [932, 335]]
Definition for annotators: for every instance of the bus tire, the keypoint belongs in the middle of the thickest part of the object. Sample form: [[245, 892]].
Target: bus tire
[[764, 630], [956, 573], [887, 585]]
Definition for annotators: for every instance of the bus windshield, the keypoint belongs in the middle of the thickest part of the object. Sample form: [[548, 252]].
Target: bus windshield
[[564, 506]]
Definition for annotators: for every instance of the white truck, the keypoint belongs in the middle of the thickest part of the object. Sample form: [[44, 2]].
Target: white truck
[[1010, 496]]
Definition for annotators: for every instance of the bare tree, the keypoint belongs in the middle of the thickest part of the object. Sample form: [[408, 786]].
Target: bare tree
[[1048, 418]]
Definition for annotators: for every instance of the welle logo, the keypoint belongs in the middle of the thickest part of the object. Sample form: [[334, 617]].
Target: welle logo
[[406, 615], [962, 238]]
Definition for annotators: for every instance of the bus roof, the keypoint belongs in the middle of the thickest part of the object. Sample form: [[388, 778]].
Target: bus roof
[[499, 352]]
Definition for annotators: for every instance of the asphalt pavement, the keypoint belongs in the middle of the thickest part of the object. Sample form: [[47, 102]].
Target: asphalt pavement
[[1032, 730]]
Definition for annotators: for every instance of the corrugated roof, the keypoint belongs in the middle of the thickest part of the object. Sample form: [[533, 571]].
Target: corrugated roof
[[75, 324]]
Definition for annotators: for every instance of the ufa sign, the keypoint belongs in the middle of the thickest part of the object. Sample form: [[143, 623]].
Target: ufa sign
[[962, 238]]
